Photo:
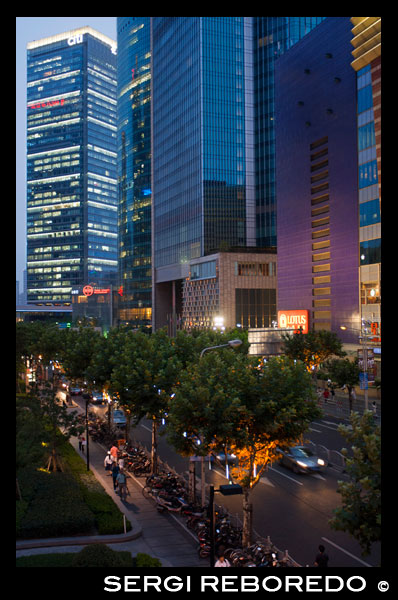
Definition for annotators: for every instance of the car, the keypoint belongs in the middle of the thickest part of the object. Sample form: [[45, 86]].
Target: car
[[302, 460], [75, 391], [119, 418], [231, 458], [97, 397]]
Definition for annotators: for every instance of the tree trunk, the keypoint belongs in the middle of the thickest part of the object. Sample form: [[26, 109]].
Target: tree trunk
[[191, 481], [154, 449], [247, 518]]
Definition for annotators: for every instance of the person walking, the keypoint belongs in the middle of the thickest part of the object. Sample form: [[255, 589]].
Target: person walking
[[326, 395], [108, 462], [122, 483], [114, 453], [374, 409], [79, 439], [121, 461], [115, 473], [321, 559], [83, 443]]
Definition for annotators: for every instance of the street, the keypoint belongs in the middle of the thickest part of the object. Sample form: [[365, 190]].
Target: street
[[293, 509]]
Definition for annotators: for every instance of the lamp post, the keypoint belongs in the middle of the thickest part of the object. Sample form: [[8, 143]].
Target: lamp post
[[87, 441], [363, 338], [225, 490], [231, 344]]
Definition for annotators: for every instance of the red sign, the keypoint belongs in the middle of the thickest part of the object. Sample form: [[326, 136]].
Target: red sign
[[88, 290], [49, 104], [296, 319]]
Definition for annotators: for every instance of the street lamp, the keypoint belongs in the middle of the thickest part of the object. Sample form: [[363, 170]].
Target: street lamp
[[87, 440], [231, 344], [363, 337], [226, 490]]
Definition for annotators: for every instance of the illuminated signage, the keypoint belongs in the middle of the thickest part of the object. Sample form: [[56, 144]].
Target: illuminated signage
[[88, 290], [48, 104], [296, 319], [75, 39]]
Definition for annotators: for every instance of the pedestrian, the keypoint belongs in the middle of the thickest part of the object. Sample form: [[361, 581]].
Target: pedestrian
[[222, 562], [122, 483], [79, 439], [326, 395], [114, 453], [115, 473], [108, 462], [332, 392], [321, 559], [83, 443], [319, 395], [121, 461]]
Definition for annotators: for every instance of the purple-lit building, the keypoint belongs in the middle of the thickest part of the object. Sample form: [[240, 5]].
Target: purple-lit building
[[317, 179]]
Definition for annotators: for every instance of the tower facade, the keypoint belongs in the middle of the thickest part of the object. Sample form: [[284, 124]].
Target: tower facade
[[71, 164]]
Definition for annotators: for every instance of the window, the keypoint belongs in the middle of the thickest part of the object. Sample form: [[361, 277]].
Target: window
[[370, 252], [369, 212]]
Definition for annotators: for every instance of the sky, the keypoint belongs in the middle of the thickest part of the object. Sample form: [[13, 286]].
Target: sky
[[29, 29]]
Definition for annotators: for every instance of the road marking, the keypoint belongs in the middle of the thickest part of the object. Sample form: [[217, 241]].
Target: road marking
[[327, 427], [284, 475], [316, 430], [317, 476], [266, 481], [346, 552], [147, 428]]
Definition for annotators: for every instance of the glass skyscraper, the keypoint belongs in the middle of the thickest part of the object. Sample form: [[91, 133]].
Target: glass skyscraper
[[212, 140], [134, 169], [71, 163]]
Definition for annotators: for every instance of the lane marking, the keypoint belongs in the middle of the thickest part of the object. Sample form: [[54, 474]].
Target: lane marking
[[266, 481], [287, 476], [317, 476], [346, 552], [316, 430]]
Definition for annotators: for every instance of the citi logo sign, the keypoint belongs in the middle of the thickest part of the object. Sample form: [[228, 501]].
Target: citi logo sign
[[75, 39]]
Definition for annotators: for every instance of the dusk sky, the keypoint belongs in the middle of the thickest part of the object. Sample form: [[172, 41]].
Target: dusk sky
[[29, 29]]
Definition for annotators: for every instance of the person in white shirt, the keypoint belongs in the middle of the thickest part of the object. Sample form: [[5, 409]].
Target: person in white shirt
[[222, 562]]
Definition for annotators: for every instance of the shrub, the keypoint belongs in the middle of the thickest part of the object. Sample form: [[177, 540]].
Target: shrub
[[100, 555], [144, 560]]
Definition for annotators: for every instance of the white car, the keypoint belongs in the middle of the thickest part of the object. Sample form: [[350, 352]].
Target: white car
[[119, 418]]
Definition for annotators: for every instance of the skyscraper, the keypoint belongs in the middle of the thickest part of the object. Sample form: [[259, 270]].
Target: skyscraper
[[134, 169], [71, 163], [213, 155]]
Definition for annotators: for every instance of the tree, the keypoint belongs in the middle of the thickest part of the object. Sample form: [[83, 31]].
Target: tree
[[344, 372], [226, 403], [312, 348], [147, 371], [360, 513]]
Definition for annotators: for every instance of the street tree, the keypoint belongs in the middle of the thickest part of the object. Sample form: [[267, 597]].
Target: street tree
[[344, 372], [147, 371], [360, 513], [224, 402], [312, 348]]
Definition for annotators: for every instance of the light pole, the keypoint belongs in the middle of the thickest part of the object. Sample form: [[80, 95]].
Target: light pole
[[87, 441], [225, 490], [363, 337], [231, 344]]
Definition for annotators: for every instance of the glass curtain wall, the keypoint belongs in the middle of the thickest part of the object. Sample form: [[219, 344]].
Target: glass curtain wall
[[272, 37], [134, 169], [71, 181]]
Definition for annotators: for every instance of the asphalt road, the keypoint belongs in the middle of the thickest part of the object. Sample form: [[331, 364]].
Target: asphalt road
[[292, 509]]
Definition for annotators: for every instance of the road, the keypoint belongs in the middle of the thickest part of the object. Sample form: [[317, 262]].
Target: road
[[292, 509]]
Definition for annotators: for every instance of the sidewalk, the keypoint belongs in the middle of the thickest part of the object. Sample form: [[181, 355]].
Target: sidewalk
[[339, 405], [162, 536]]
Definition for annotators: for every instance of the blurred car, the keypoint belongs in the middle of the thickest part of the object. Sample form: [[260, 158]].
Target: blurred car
[[75, 390], [302, 460], [231, 458], [119, 418], [97, 397]]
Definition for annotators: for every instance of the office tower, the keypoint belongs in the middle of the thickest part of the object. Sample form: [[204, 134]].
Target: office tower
[[317, 179], [212, 145], [273, 36], [71, 163], [366, 62], [134, 169]]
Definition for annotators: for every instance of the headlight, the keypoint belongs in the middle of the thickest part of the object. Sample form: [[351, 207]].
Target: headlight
[[301, 464], [321, 462]]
